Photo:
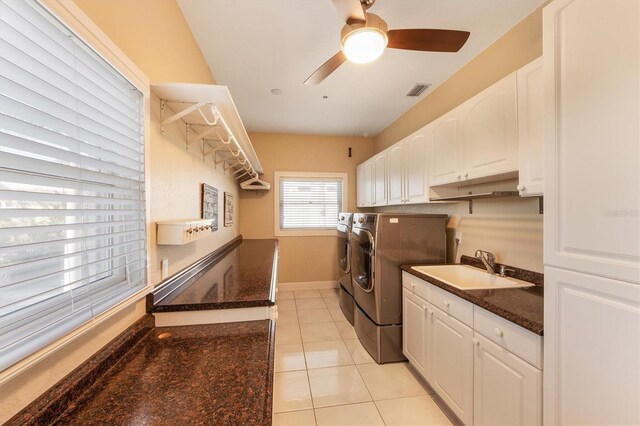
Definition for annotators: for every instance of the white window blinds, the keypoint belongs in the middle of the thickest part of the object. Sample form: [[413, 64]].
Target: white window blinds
[[72, 217], [309, 203]]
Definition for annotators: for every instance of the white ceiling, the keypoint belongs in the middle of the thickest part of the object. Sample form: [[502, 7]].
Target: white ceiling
[[254, 46]]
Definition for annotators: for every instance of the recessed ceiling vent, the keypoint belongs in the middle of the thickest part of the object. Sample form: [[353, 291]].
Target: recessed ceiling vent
[[417, 89]]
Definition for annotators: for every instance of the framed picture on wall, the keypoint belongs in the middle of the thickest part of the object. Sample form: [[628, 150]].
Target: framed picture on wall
[[228, 209], [210, 205]]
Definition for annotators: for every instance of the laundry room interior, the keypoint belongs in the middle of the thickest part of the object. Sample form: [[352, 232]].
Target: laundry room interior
[[328, 212]]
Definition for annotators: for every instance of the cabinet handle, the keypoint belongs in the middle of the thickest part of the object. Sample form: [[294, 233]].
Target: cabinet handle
[[413, 286], [520, 188], [466, 175], [498, 332], [430, 312], [475, 341], [459, 177], [446, 302]]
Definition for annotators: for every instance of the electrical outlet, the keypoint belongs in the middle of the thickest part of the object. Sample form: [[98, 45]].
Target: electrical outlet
[[459, 237], [164, 264]]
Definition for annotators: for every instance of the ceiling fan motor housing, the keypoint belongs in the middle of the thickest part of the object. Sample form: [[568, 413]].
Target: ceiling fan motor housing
[[373, 22]]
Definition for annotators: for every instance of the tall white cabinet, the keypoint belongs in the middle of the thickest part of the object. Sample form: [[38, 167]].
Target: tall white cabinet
[[592, 198]]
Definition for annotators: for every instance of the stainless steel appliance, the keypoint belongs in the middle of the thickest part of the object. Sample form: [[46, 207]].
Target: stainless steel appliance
[[345, 287], [380, 243]]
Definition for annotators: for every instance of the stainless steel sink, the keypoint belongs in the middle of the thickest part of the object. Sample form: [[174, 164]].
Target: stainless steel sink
[[465, 277]]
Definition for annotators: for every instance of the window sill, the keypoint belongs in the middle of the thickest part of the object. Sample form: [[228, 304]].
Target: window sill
[[306, 233]]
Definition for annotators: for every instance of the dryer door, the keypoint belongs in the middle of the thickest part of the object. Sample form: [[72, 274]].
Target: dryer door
[[362, 250]]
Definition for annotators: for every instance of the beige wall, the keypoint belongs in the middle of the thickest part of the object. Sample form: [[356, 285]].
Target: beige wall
[[519, 46], [510, 228], [155, 36], [302, 259]]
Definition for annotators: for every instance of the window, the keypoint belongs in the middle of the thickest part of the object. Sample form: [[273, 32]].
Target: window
[[72, 201], [308, 203]]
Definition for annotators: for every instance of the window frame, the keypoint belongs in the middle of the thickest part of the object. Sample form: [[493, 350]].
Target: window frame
[[279, 232], [85, 29]]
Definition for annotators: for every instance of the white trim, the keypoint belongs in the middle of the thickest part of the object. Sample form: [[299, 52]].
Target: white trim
[[307, 285], [43, 353], [73, 17], [214, 316], [310, 176]]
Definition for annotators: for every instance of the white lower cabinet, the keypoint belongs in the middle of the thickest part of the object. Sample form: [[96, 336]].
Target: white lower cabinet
[[506, 390], [451, 347], [481, 381], [415, 333]]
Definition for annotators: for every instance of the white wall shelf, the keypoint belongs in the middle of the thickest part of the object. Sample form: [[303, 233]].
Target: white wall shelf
[[211, 120]]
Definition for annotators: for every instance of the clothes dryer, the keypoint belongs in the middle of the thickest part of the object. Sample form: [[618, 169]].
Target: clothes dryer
[[380, 243], [345, 286]]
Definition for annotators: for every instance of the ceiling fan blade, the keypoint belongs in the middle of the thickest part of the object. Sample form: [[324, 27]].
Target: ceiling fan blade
[[427, 40], [350, 10], [325, 69]]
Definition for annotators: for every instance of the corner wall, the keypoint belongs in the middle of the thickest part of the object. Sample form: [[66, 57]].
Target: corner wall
[[302, 259]]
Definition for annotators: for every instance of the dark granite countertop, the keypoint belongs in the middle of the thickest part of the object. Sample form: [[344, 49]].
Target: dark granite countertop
[[522, 306], [197, 375], [243, 277]]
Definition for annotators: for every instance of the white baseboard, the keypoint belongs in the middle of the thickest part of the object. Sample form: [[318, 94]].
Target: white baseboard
[[307, 285]]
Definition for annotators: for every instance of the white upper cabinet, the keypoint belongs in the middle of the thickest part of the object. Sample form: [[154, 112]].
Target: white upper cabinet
[[416, 168], [408, 170], [478, 139], [364, 183], [445, 148], [592, 137], [395, 157], [490, 137], [530, 129], [380, 179]]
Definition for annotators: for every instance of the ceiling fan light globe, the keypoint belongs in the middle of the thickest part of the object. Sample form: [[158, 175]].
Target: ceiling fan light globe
[[364, 45]]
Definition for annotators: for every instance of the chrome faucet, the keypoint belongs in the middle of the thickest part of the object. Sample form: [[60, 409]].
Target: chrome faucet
[[488, 259]]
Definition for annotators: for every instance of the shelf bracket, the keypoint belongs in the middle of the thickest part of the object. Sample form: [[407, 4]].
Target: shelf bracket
[[179, 115], [202, 135]]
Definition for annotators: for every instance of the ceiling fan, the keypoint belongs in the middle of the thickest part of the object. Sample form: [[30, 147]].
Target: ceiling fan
[[365, 36]]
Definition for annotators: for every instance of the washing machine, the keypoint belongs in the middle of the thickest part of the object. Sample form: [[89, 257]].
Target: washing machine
[[380, 243], [345, 286]]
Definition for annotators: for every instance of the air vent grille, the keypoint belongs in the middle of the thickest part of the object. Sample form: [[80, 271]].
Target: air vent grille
[[417, 89]]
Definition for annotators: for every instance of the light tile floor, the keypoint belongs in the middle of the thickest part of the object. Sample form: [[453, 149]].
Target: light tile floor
[[323, 375]]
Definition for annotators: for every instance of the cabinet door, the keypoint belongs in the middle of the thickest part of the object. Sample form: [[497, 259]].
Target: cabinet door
[[592, 350], [445, 149], [416, 170], [506, 389], [451, 350], [395, 157], [490, 139], [380, 180], [592, 129], [530, 129], [360, 186], [368, 183], [414, 330]]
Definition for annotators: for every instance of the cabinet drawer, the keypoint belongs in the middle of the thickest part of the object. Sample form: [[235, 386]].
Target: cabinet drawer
[[415, 285], [510, 336], [451, 304]]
